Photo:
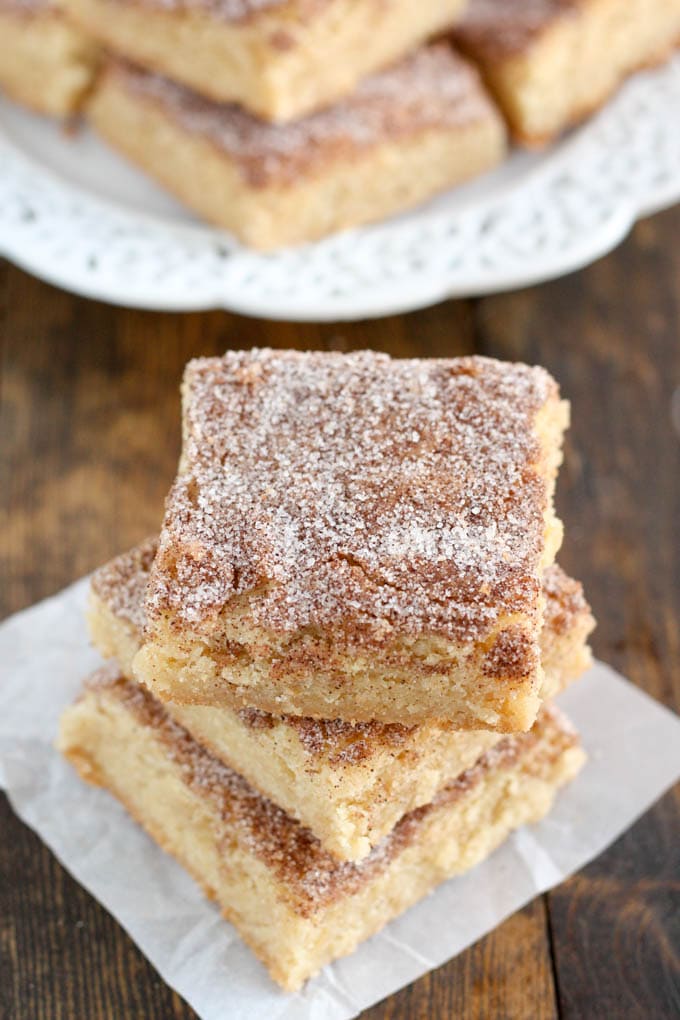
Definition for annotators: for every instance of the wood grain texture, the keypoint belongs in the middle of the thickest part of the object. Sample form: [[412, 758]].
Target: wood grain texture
[[89, 420]]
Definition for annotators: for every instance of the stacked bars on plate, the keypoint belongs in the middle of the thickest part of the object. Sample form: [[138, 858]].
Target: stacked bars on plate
[[286, 120], [405, 134], [331, 676]]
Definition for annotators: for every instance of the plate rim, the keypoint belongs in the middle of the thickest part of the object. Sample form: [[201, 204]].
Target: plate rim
[[16, 244]]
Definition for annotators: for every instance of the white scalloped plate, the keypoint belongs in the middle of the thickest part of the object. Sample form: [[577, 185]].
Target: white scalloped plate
[[76, 215]]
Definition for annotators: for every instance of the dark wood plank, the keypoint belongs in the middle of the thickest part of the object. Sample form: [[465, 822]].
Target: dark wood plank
[[611, 335], [89, 398], [61, 956], [616, 926], [506, 975]]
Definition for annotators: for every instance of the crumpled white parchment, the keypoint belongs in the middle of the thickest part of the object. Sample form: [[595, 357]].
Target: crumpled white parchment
[[634, 749]]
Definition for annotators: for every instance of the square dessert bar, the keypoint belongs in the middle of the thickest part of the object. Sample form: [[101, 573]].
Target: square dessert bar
[[279, 59], [349, 783], [356, 537], [295, 905], [45, 62], [406, 134], [552, 62]]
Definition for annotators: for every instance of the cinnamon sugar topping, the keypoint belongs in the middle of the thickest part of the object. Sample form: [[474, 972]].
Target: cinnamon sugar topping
[[356, 492], [311, 877], [511, 653], [498, 28], [121, 583], [346, 743], [433, 87], [565, 601]]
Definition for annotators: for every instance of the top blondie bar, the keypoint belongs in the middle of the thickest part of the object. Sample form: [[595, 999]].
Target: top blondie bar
[[358, 537]]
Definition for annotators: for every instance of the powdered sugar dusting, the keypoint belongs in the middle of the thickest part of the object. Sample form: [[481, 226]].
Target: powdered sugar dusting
[[312, 878], [356, 492], [433, 87], [491, 28]]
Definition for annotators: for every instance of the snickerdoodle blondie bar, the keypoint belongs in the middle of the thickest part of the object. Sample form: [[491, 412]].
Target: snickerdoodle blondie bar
[[297, 907], [358, 537]]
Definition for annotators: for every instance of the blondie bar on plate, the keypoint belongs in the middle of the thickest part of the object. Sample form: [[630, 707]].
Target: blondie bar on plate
[[348, 783], [279, 59], [45, 62], [296, 906], [407, 133], [358, 537], [552, 62]]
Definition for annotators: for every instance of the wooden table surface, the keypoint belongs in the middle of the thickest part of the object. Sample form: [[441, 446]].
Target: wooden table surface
[[89, 420]]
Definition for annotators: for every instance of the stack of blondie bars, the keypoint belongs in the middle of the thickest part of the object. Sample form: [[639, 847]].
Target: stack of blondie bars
[[330, 678]]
